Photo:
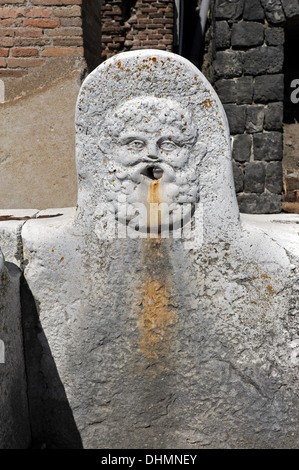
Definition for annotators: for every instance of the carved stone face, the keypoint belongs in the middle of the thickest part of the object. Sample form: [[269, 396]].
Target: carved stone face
[[148, 142]]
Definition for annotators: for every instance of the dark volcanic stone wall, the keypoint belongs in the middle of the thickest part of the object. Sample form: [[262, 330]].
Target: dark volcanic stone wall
[[244, 48]]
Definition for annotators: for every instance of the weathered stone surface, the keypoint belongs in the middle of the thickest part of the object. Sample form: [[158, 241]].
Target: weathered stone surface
[[150, 336], [265, 203], [14, 424], [242, 148], [222, 35], [267, 146], [279, 227], [253, 11], [228, 64], [11, 222], [273, 181], [254, 179], [229, 10], [273, 116], [247, 34], [226, 90], [290, 7], [273, 11], [268, 88], [254, 119], [265, 59], [244, 90], [274, 36], [236, 115], [238, 177]]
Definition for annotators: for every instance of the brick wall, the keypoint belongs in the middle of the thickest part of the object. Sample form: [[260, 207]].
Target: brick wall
[[138, 24], [33, 31]]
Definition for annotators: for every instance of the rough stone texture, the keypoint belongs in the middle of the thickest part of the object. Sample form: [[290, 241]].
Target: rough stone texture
[[274, 36], [151, 338], [253, 11], [290, 162], [14, 424], [11, 222], [247, 69], [282, 228], [226, 90], [265, 59], [291, 7], [222, 35], [242, 148], [273, 180], [254, 119], [254, 178], [228, 64], [236, 116], [247, 34], [268, 88], [229, 10], [267, 146], [264, 203], [238, 177], [273, 11], [244, 90], [273, 116]]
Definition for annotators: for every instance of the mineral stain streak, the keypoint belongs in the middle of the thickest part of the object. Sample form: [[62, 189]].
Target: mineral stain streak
[[156, 318], [154, 216]]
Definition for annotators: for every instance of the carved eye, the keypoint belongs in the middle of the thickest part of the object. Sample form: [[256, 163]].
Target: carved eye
[[168, 145], [136, 144]]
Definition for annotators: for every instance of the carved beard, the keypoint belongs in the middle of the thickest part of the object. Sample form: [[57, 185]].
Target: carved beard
[[177, 185]]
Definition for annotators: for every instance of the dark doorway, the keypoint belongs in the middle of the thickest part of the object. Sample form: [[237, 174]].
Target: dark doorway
[[291, 67], [189, 34], [291, 117], [91, 26]]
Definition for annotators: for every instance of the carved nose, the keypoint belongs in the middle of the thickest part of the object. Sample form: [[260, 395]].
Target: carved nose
[[153, 157]]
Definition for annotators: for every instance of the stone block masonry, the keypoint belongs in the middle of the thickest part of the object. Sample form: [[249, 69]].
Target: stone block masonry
[[246, 58]]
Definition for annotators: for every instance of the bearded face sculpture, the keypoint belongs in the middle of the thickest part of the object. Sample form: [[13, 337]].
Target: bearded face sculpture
[[148, 143]]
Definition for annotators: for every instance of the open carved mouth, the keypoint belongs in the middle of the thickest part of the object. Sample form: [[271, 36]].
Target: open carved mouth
[[152, 172]]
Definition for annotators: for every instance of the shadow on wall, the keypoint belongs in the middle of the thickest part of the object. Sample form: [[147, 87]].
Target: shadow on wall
[[52, 422]]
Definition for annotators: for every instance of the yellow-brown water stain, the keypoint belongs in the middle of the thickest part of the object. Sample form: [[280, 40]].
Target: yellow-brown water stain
[[157, 317], [156, 326], [153, 214]]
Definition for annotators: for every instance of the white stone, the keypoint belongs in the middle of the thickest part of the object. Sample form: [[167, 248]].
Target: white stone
[[130, 112], [159, 343], [283, 228], [11, 222]]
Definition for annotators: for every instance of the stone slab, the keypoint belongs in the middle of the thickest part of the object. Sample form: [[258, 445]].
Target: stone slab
[[284, 228], [149, 342]]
